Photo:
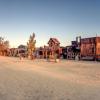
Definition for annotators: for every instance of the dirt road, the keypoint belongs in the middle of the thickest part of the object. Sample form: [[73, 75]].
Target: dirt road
[[42, 80]]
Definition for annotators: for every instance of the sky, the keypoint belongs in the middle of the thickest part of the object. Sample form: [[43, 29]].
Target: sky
[[61, 19]]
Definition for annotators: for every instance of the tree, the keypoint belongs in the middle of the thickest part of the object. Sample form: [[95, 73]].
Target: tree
[[31, 45], [4, 45]]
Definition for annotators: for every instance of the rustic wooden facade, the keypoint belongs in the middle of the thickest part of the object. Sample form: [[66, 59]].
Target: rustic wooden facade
[[50, 50], [90, 48], [4, 52], [54, 46], [13, 52], [22, 51]]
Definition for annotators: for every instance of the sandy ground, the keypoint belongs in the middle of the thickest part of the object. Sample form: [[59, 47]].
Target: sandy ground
[[42, 80]]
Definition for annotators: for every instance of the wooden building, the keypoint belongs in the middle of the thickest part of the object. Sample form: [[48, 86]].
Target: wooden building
[[22, 50], [4, 52], [90, 48], [54, 47], [50, 50], [13, 52], [40, 52]]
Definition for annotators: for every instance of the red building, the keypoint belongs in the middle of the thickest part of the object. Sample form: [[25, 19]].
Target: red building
[[90, 48]]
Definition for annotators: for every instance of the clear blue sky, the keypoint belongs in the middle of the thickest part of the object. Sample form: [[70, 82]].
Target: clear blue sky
[[64, 19]]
